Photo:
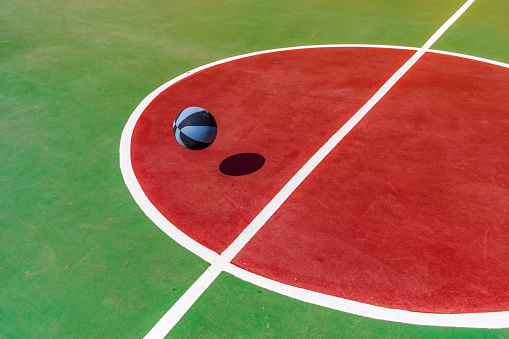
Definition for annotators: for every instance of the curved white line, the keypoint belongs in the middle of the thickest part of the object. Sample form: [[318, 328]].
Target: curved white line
[[468, 320], [137, 192], [465, 56], [472, 320]]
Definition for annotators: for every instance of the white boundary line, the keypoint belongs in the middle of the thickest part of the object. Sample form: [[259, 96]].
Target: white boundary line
[[222, 262], [464, 56], [468, 320]]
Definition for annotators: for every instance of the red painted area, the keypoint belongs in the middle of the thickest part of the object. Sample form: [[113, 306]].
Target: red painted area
[[279, 105], [411, 210]]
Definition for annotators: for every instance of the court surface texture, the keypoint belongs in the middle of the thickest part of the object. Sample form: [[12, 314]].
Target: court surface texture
[[358, 185]]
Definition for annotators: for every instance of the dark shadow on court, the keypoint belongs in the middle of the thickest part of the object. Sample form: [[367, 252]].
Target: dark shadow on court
[[242, 164]]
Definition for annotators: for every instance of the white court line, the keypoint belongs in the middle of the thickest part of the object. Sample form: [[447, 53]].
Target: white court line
[[177, 311], [467, 320]]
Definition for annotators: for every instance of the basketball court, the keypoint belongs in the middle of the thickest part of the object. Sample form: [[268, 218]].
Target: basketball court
[[358, 185]]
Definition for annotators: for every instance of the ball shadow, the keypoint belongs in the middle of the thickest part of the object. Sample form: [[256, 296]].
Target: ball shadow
[[242, 164]]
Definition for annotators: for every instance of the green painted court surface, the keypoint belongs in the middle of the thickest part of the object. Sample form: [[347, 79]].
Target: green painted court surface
[[78, 258]]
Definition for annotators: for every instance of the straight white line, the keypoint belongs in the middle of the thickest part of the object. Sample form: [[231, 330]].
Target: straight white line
[[171, 318], [447, 24], [177, 311]]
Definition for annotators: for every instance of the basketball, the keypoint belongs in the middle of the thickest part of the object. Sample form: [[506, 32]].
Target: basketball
[[195, 128]]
